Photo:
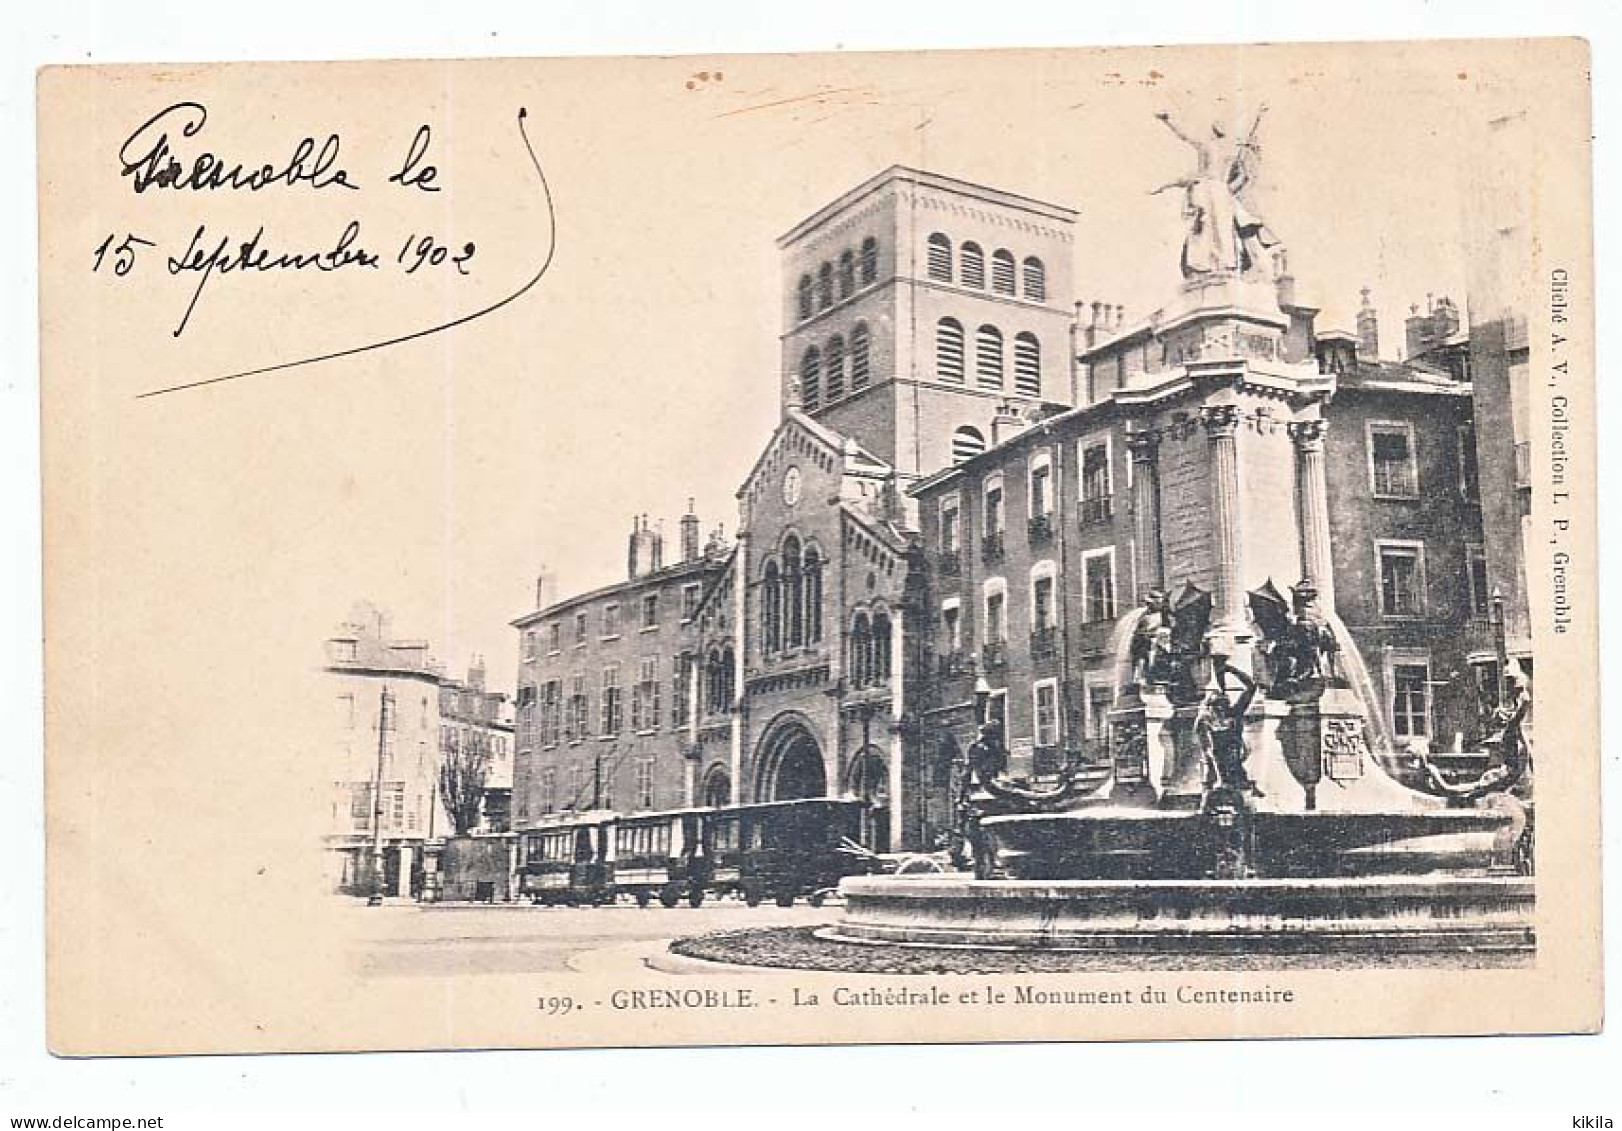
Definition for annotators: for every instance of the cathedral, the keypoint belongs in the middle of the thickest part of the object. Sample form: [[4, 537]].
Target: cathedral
[[972, 479]]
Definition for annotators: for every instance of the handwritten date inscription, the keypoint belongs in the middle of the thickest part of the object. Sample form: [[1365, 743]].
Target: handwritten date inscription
[[150, 160]]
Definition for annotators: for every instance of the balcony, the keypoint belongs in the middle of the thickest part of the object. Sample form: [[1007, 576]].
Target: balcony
[[991, 548], [1096, 509], [1045, 643], [1040, 528], [993, 656], [949, 563]]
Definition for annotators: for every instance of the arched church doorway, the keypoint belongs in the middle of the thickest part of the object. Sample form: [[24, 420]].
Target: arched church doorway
[[792, 765]]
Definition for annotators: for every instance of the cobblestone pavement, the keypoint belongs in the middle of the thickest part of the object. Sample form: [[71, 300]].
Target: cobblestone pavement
[[796, 947]]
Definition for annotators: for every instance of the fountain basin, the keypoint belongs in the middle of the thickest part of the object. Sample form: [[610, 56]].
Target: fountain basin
[[1336, 915], [1106, 842]]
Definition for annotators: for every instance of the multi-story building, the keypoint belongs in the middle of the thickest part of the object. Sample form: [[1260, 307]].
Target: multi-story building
[[476, 753], [968, 483], [385, 729], [605, 684]]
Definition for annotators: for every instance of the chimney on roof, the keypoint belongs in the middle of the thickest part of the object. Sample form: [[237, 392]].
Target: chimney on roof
[[1368, 329], [689, 534]]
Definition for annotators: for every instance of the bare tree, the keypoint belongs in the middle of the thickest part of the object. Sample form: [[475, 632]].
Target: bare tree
[[462, 769]]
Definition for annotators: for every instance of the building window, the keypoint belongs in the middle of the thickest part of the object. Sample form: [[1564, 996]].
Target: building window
[[951, 536], [940, 258], [996, 609], [861, 649], [952, 625], [1095, 483], [825, 287], [806, 300], [579, 723], [1002, 272], [612, 709], [870, 261], [551, 712], [604, 786], [644, 783], [880, 666], [577, 786], [1045, 704], [611, 620], [847, 274], [974, 266], [949, 351], [1041, 504], [1392, 472], [554, 637], [549, 790], [530, 640], [681, 688], [1410, 699], [346, 712], [343, 651], [690, 595], [793, 594], [650, 610], [833, 384], [988, 357], [1098, 584], [645, 705], [967, 442], [811, 380], [580, 630], [1044, 613], [1402, 579], [811, 579], [1027, 365], [993, 508], [1469, 470], [860, 360], [1480, 593], [1036, 280], [771, 609]]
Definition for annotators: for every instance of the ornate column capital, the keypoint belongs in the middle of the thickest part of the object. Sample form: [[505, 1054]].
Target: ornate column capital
[[1220, 420], [1308, 434], [1144, 444]]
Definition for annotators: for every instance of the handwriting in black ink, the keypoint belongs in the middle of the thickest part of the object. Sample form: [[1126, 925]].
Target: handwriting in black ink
[[124, 256], [148, 158], [430, 251], [250, 256], [540, 273], [409, 173]]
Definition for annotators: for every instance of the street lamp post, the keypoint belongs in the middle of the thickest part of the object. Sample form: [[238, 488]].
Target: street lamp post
[[1500, 645], [385, 712]]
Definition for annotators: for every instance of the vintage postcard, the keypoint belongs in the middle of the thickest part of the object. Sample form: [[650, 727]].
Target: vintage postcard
[[1054, 544]]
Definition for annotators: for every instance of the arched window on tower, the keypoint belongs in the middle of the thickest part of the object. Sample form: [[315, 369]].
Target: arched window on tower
[[825, 286], [870, 261], [833, 365], [729, 688], [860, 361], [940, 258], [949, 351], [967, 442], [988, 357], [771, 610], [793, 594], [1036, 280], [974, 266], [806, 299], [1027, 365], [811, 576], [1002, 272], [811, 380], [714, 682], [847, 274], [861, 650], [881, 647]]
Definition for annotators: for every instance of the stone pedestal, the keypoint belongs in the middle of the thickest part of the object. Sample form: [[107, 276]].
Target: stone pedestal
[[1182, 784], [1140, 745], [1324, 742]]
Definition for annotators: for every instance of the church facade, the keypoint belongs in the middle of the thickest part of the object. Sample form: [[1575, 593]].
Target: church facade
[[967, 489]]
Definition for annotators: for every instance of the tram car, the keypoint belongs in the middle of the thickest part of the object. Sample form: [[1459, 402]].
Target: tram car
[[783, 850], [661, 856], [569, 863]]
